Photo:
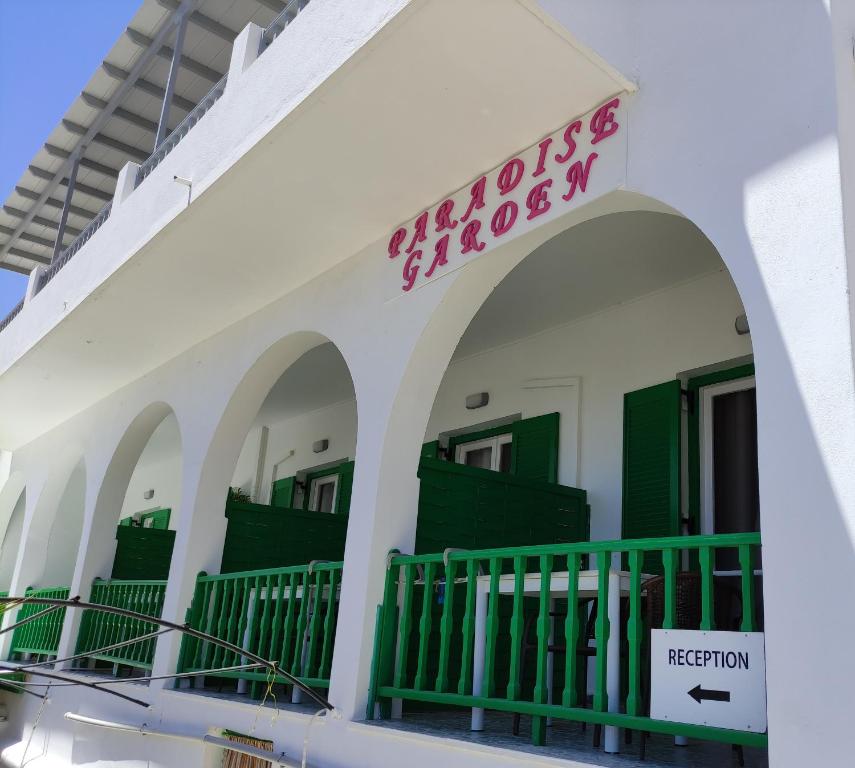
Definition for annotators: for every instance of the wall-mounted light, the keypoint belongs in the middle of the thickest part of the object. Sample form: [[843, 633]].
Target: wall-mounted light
[[478, 400], [319, 446], [741, 325], [149, 494]]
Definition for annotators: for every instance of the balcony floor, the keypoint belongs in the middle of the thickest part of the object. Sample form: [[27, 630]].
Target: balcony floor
[[566, 741]]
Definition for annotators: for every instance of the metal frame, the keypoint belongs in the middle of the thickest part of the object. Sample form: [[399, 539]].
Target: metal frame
[[185, 629]]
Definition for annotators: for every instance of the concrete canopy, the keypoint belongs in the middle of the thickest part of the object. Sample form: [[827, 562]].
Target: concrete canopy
[[440, 94]]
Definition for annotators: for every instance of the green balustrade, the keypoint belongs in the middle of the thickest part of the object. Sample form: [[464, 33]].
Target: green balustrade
[[40, 636], [287, 615], [98, 630], [413, 662]]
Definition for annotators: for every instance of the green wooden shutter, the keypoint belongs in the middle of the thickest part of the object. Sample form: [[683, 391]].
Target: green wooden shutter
[[651, 463], [142, 553], [125, 522], [282, 494], [430, 450], [345, 488], [159, 519], [534, 452]]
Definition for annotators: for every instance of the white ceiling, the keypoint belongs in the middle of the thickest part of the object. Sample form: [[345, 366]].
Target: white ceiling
[[592, 266]]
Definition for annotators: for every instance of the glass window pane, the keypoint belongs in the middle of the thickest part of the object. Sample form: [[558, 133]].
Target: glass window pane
[[505, 457], [479, 457], [326, 492]]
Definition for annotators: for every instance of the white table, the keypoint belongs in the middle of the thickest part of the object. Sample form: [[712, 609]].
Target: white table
[[588, 585]]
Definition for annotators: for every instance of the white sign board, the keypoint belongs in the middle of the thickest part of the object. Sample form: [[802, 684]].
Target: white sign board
[[709, 678]]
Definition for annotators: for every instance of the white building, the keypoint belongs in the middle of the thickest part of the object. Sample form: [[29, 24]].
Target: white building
[[452, 278]]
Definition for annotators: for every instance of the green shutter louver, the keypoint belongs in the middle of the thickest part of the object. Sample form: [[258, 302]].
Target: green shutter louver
[[534, 452], [651, 463], [282, 494], [345, 488], [142, 553], [430, 450]]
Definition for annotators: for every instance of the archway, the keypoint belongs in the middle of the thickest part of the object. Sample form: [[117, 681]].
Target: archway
[[602, 391], [131, 538], [278, 563], [47, 558], [15, 502]]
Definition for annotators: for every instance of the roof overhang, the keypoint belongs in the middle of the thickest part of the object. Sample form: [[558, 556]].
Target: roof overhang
[[443, 92]]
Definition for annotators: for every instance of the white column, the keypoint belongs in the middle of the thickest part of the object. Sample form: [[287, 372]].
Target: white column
[[245, 50], [125, 184]]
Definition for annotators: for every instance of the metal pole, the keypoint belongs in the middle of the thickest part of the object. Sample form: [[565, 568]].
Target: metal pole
[[170, 83], [72, 180]]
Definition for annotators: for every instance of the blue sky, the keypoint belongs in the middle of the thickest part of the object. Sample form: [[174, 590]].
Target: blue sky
[[48, 51]]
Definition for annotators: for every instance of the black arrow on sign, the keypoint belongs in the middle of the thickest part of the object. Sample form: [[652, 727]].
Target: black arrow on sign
[[701, 694]]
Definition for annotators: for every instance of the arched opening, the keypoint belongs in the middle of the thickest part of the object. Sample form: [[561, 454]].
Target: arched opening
[[287, 507], [131, 543], [47, 559], [603, 392], [11, 537]]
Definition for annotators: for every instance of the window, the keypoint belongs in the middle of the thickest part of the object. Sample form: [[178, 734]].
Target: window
[[493, 453], [322, 492]]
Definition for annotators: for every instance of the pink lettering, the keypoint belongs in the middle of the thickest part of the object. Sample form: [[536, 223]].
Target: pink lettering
[[396, 241], [411, 270], [469, 237], [441, 251], [476, 201], [443, 216], [510, 175], [504, 218], [577, 176], [420, 233], [574, 127], [537, 201], [603, 123], [541, 158]]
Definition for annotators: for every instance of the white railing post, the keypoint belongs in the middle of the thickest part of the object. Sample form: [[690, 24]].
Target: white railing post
[[245, 50], [125, 184]]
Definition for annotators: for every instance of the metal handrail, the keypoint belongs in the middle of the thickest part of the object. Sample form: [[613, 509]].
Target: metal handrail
[[65, 256], [13, 313], [181, 130], [276, 27]]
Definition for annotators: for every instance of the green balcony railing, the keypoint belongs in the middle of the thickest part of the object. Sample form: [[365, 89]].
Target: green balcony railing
[[284, 614], [40, 636], [98, 630], [445, 635]]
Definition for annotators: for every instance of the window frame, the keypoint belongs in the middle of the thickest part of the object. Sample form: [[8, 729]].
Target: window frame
[[314, 491], [494, 443]]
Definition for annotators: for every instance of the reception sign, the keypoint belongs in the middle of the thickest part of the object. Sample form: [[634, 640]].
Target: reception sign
[[579, 162], [709, 678]]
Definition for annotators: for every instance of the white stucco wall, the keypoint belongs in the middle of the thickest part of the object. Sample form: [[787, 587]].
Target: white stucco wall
[[745, 145], [65, 532], [11, 542], [158, 469]]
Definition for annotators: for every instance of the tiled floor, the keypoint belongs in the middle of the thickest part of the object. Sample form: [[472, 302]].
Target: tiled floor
[[566, 740]]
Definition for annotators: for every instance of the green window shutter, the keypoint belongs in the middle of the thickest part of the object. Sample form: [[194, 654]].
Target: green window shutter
[[125, 522], [430, 450], [159, 519], [345, 488], [534, 451], [283, 492], [651, 463]]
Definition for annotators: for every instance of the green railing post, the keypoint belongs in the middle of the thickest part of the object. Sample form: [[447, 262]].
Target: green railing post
[[464, 685], [516, 629], [707, 588], [601, 696], [544, 620], [445, 627], [746, 564], [634, 633]]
